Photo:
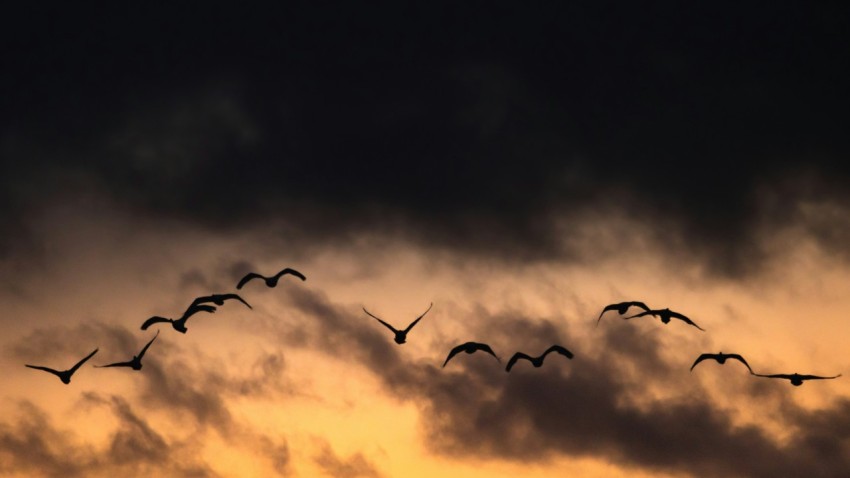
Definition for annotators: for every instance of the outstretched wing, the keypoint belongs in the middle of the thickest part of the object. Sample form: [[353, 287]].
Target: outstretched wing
[[117, 364], [46, 369], [194, 309], [513, 360], [775, 375], [154, 320], [561, 350], [418, 319], [606, 309], [236, 297], [704, 357], [685, 319], [249, 276], [145, 349], [740, 359], [381, 321], [816, 377], [289, 271], [75, 367], [642, 314], [454, 352]]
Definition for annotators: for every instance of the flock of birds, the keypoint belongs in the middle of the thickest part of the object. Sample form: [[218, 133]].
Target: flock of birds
[[202, 304]]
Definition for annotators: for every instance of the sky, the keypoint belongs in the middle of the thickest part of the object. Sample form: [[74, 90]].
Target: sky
[[518, 166]]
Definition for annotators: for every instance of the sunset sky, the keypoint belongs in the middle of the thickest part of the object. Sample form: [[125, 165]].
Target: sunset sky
[[520, 166]]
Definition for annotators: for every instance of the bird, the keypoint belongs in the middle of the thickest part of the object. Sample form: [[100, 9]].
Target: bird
[[179, 324], [218, 299], [795, 378], [621, 308], [64, 376], [270, 281], [136, 362], [538, 361], [721, 359], [470, 348], [400, 335], [666, 315]]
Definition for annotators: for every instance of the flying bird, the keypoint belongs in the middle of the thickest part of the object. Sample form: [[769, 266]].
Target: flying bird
[[538, 361], [218, 299], [721, 359], [179, 324], [270, 281], [136, 362], [665, 315], [470, 348], [65, 375], [400, 335], [795, 378], [621, 308]]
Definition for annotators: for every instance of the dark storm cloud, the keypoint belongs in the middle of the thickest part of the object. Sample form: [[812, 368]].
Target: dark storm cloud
[[35, 446], [627, 396], [467, 127]]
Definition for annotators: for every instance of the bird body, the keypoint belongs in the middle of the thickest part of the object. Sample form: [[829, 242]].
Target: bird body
[[179, 324], [64, 375], [136, 362], [796, 378], [400, 335], [721, 359], [270, 281], [665, 315], [470, 348], [622, 308], [537, 361]]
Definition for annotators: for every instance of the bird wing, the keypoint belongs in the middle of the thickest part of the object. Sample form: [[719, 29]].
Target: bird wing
[[381, 321], [145, 349], [154, 320], [486, 348], [561, 350], [685, 319], [290, 271], [775, 375], [418, 319], [248, 276], [202, 300], [704, 357], [740, 359], [236, 297], [454, 352], [513, 360], [642, 314], [194, 309], [816, 377], [640, 305], [46, 369], [75, 367], [117, 364], [606, 309]]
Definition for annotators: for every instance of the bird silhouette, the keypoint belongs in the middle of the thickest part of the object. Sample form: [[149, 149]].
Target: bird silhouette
[[179, 324], [721, 359], [400, 335], [136, 362], [218, 299], [470, 348], [270, 281], [621, 308], [538, 361], [665, 315], [64, 376], [795, 378]]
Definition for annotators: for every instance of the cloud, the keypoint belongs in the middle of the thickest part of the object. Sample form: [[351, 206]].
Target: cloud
[[353, 466], [626, 397]]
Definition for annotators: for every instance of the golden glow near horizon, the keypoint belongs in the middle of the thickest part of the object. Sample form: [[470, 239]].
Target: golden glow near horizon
[[318, 409]]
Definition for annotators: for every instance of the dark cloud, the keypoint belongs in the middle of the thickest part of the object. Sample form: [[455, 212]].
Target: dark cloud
[[35, 446], [627, 396], [354, 466], [468, 127]]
